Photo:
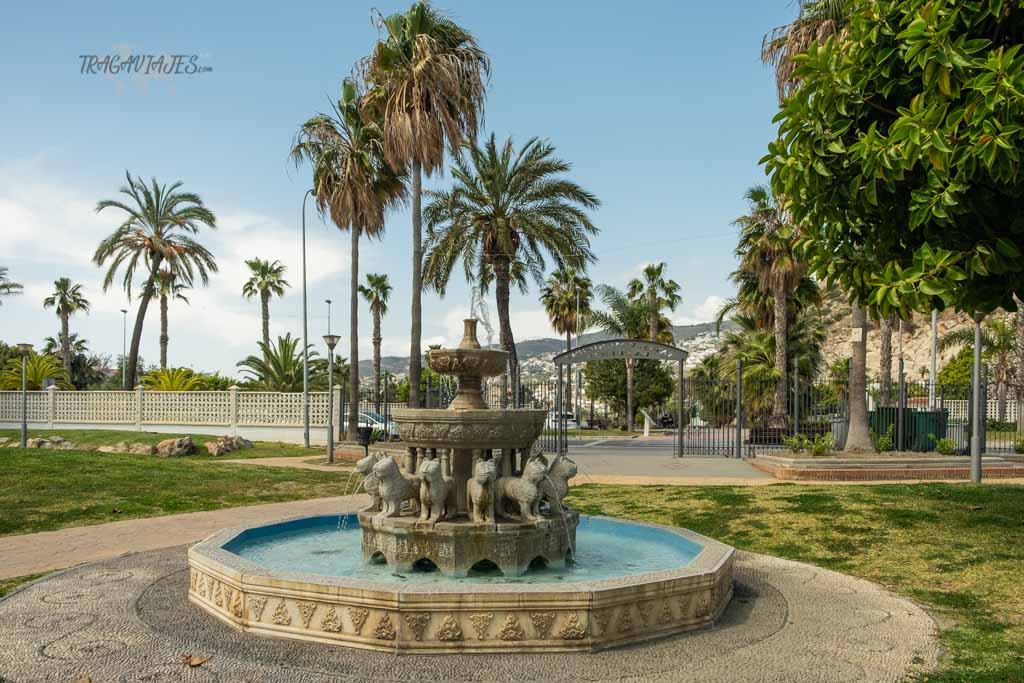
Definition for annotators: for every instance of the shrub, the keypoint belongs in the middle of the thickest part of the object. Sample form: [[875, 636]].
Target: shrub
[[823, 444], [882, 443], [797, 444], [1018, 447], [944, 446], [1001, 425]]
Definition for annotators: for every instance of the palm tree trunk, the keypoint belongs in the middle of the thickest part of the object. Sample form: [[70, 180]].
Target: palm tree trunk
[[163, 331], [779, 417], [629, 395], [265, 313], [140, 318], [653, 331], [415, 362], [885, 359], [1001, 372], [859, 436], [1020, 365], [65, 342], [353, 339], [376, 357], [501, 292], [568, 389]]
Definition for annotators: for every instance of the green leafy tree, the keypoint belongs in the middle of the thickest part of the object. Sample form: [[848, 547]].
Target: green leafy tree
[[955, 376], [715, 397], [87, 370], [279, 368], [998, 344], [67, 299], [566, 298], [173, 379], [653, 383], [8, 287], [266, 279], [353, 183], [39, 370], [656, 292], [507, 206], [376, 292], [157, 233], [168, 287], [427, 78]]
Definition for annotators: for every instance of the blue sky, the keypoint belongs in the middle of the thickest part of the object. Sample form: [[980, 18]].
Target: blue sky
[[663, 108]]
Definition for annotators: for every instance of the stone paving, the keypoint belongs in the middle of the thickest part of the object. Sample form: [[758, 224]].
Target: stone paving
[[127, 619]]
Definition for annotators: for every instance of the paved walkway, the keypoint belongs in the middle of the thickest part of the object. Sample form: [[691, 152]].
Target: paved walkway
[[36, 553]]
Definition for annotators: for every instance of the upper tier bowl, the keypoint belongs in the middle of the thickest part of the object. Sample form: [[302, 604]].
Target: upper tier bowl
[[467, 362]]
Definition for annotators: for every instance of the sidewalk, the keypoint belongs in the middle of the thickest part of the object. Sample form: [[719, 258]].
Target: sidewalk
[[49, 550]]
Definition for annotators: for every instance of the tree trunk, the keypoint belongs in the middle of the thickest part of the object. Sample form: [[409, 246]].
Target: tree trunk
[[653, 325], [779, 418], [265, 312], [1020, 365], [140, 318], [568, 390], [859, 436], [416, 328], [501, 292], [629, 396], [163, 331], [353, 339], [65, 342], [1001, 399], [885, 359], [376, 357]]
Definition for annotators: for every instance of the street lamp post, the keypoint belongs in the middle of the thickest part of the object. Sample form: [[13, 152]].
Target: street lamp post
[[305, 332], [331, 340], [25, 350], [124, 349]]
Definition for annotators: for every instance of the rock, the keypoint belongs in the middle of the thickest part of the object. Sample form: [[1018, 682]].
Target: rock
[[217, 447], [240, 443], [57, 440], [4, 440], [37, 443], [226, 444], [142, 449], [175, 448], [120, 447]]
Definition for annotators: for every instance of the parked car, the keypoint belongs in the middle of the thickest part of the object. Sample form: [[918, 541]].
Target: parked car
[[552, 421], [378, 423]]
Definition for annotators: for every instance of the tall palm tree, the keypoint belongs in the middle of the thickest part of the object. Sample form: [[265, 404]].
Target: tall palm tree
[[266, 279], [168, 287], [376, 292], [156, 232], [566, 298], [54, 346], [656, 292], [427, 79], [999, 344], [507, 206], [766, 253], [817, 20], [355, 185], [8, 287], [625, 319], [67, 299]]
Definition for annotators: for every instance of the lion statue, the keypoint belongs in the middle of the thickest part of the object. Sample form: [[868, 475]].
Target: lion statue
[[394, 488], [524, 491], [436, 492], [555, 486], [370, 482], [480, 492]]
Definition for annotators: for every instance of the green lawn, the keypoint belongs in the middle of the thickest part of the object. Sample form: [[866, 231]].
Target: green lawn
[[7, 585], [50, 489], [94, 438], [957, 549]]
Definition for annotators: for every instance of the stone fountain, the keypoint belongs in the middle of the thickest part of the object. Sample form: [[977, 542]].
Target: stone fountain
[[470, 490]]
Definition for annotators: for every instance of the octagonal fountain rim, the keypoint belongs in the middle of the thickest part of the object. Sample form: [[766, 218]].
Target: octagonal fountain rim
[[210, 555]]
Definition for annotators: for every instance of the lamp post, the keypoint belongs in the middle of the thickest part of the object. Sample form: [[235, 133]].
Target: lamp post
[[932, 376], [25, 350], [305, 332], [124, 349], [331, 340]]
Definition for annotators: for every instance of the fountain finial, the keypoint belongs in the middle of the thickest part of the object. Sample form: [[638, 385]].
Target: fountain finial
[[469, 340]]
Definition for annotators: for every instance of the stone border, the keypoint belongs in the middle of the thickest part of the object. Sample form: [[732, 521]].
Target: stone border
[[882, 469], [583, 616]]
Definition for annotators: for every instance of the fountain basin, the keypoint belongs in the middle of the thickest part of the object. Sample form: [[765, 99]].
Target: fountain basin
[[469, 429], [631, 582]]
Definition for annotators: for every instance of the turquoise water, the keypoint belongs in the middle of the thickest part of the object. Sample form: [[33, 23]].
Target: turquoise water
[[605, 549]]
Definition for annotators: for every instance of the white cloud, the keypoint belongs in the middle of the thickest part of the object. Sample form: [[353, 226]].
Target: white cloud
[[703, 312]]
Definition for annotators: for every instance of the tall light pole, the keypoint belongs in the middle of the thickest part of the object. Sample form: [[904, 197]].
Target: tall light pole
[[124, 349], [25, 350], [933, 377], [978, 421], [328, 302], [331, 340], [305, 332]]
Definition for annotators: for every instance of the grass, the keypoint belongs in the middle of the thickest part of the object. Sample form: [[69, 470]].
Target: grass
[[957, 549], [94, 438], [7, 585], [42, 490]]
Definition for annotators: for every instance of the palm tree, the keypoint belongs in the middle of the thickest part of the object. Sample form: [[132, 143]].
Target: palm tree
[[39, 369], [353, 182], [376, 292], [7, 286], [817, 20], [427, 79], [54, 346], [625, 319], [266, 279], [279, 367], [168, 287], [998, 343], [656, 292], [507, 206], [157, 231], [766, 253], [566, 298], [67, 299], [172, 379]]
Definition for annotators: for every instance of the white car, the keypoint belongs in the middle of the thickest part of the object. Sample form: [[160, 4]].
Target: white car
[[377, 422], [569, 418]]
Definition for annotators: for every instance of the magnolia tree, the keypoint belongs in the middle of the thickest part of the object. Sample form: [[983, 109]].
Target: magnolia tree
[[899, 155]]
